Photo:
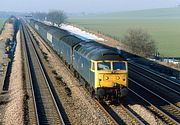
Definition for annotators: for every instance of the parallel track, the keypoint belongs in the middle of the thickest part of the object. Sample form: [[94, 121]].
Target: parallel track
[[166, 110], [32, 110], [155, 74], [116, 118], [156, 78], [48, 111]]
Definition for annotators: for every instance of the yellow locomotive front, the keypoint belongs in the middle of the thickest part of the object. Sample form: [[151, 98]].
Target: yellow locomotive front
[[111, 79]]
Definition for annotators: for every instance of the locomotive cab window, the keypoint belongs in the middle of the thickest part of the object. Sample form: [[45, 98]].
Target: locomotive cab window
[[92, 66], [119, 66], [104, 66]]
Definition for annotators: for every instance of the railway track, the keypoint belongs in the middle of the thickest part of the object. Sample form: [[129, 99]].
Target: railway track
[[46, 104], [163, 108], [156, 78], [162, 84], [124, 110], [32, 110], [159, 87]]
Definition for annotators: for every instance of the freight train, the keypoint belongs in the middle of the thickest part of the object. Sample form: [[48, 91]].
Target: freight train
[[100, 68]]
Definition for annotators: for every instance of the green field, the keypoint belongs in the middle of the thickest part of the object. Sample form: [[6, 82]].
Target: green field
[[162, 24], [2, 20]]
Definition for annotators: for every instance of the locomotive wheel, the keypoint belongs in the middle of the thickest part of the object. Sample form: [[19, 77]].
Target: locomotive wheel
[[76, 75], [85, 84], [92, 92], [99, 98]]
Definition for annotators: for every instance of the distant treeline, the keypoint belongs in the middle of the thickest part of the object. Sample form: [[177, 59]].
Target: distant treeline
[[5, 14], [56, 16]]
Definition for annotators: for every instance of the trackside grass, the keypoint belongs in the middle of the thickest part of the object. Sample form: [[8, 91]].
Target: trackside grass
[[2, 20]]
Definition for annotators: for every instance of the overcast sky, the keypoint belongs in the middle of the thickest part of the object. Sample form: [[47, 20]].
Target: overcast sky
[[74, 6]]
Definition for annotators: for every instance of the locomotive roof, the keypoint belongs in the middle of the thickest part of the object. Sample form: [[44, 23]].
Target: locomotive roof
[[73, 39], [96, 51], [88, 48], [57, 32], [32, 21], [61, 34], [42, 25]]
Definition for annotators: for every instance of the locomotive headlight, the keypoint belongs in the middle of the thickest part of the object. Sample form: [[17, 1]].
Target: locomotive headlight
[[123, 77], [106, 77], [118, 78]]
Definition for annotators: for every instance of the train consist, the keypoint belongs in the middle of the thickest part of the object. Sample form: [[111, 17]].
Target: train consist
[[99, 67]]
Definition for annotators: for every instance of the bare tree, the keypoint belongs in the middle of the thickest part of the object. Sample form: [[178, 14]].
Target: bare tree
[[39, 16], [57, 17], [42, 16], [140, 42]]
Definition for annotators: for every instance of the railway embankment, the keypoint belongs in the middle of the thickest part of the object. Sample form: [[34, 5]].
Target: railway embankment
[[14, 110], [6, 35], [8, 45], [7, 74]]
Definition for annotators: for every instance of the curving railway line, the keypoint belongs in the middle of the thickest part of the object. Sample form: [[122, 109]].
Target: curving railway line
[[47, 110]]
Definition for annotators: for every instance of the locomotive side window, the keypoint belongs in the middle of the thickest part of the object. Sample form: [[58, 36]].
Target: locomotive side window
[[119, 66], [77, 47], [104, 66]]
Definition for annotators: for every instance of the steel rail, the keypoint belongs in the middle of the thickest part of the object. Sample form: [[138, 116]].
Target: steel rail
[[30, 38], [153, 106], [152, 72], [29, 73], [165, 86]]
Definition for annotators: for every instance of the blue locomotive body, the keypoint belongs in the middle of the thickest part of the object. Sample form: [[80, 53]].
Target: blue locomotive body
[[97, 65]]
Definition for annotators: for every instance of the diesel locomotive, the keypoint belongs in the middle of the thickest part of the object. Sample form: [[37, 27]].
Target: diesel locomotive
[[100, 68]]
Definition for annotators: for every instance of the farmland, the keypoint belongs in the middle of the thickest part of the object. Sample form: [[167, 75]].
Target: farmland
[[162, 24], [1, 22]]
